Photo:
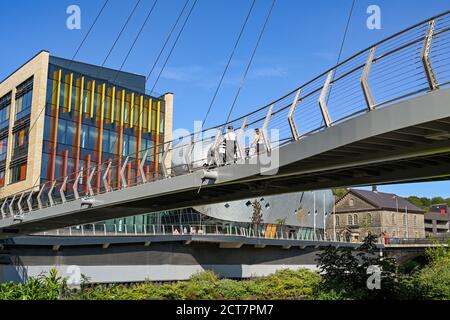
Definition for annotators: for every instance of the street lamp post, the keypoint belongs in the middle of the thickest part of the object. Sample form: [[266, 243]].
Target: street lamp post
[[314, 215]]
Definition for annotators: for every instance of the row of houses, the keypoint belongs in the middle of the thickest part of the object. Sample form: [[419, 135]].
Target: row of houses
[[360, 212]]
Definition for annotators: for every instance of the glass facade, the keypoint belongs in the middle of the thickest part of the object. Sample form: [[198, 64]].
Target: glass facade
[[5, 107], [89, 122], [24, 95], [19, 159]]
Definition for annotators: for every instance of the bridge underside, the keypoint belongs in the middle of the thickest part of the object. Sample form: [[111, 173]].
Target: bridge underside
[[406, 142]]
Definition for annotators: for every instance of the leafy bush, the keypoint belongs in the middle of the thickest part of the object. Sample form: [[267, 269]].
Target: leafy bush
[[38, 288], [433, 280]]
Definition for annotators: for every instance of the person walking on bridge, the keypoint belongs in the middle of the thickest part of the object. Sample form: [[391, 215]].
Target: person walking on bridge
[[257, 142], [230, 145]]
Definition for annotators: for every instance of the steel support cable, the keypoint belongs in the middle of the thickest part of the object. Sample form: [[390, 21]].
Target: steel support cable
[[255, 49], [167, 40], [75, 54], [70, 63], [228, 63], [343, 42], [174, 45], [277, 100], [121, 31], [136, 39]]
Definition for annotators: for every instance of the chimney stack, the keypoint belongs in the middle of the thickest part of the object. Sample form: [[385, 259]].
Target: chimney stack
[[374, 189]]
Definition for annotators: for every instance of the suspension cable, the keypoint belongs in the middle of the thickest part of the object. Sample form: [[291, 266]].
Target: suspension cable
[[251, 59], [174, 45], [167, 40], [74, 55], [136, 39], [229, 62], [121, 31]]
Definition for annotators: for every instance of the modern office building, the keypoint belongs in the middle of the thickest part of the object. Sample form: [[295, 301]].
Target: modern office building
[[437, 220], [58, 117]]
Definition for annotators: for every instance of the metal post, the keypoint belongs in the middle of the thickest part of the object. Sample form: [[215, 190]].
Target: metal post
[[322, 101], [19, 203], [2, 209], [432, 81], [324, 217], [407, 222], [11, 211], [163, 163], [217, 143], [141, 167], [50, 197], [365, 80], [39, 200], [122, 173], [188, 157], [75, 184], [264, 130], [314, 214], [334, 220], [30, 205], [291, 119], [105, 178], [89, 182], [239, 139], [61, 190]]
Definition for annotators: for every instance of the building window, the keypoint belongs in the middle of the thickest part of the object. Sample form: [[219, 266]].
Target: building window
[[404, 220], [3, 148], [20, 143], [351, 202], [350, 220], [337, 220], [355, 219], [5, 107], [415, 221], [19, 172], [369, 219], [24, 95], [393, 219], [2, 177]]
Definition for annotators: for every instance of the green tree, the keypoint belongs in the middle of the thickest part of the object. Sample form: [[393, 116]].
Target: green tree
[[339, 192], [257, 215], [345, 271]]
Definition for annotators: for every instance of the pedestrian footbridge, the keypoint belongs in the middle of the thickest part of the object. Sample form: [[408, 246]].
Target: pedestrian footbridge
[[382, 116]]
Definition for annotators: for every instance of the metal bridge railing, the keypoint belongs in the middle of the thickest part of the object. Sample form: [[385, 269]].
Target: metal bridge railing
[[410, 63], [261, 232]]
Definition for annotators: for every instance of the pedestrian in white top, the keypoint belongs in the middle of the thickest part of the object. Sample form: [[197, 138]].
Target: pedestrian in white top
[[230, 145], [257, 141]]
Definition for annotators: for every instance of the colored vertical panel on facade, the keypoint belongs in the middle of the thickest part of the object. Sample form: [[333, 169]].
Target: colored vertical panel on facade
[[91, 107], [149, 116], [158, 114], [57, 99], [131, 116], [80, 120], [113, 102], [101, 107], [69, 106]]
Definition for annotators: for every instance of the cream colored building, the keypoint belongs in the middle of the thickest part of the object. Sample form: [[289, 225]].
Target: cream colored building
[[58, 117], [359, 212]]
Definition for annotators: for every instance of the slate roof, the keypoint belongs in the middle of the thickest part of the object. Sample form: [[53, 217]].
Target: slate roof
[[386, 201]]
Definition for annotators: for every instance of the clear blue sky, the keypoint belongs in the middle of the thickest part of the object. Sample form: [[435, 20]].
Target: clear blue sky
[[301, 41]]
